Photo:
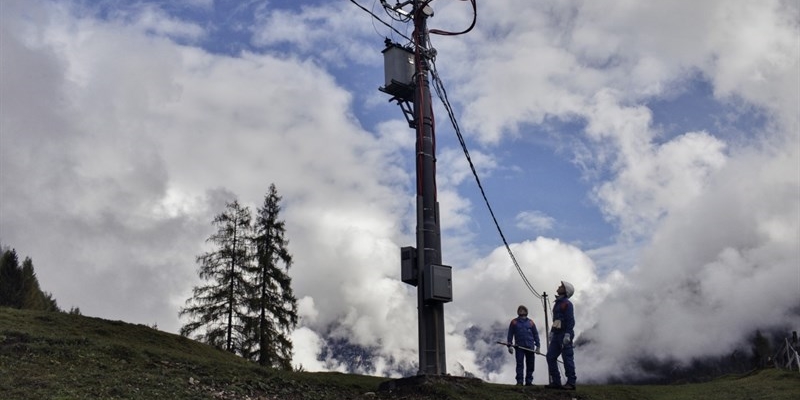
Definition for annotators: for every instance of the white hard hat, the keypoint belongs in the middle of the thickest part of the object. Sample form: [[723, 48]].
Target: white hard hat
[[568, 288]]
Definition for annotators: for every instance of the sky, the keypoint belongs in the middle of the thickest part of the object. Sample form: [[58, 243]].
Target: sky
[[646, 152]]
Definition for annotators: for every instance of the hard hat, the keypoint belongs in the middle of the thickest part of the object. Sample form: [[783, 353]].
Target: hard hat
[[521, 307], [568, 288]]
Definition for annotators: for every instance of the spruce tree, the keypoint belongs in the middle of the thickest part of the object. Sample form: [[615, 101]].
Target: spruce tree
[[10, 280], [19, 287], [217, 309], [272, 304]]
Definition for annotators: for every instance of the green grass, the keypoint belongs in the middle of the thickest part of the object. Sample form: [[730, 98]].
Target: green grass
[[46, 355], [768, 384]]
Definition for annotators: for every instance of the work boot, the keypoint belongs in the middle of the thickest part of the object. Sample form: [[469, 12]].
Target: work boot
[[553, 386], [568, 386]]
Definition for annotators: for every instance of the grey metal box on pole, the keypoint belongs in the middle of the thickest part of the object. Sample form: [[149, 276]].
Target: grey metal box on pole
[[438, 281], [408, 265]]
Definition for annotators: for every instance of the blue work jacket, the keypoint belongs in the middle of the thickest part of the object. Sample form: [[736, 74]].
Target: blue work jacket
[[564, 312], [524, 332]]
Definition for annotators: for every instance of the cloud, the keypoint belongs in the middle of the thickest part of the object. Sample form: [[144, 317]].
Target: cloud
[[715, 271], [306, 356], [650, 178], [148, 139], [692, 203], [328, 32], [535, 220], [120, 139], [153, 20], [703, 202]]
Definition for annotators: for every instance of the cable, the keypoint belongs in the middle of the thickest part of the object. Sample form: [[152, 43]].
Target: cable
[[379, 19], [442, 93], [472, 25], [372, 20]]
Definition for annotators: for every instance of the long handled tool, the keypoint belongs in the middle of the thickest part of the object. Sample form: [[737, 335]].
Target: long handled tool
[[525, 348]]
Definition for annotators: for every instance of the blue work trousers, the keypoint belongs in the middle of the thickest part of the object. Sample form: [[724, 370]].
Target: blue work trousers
[[558, 348], [525, 361]]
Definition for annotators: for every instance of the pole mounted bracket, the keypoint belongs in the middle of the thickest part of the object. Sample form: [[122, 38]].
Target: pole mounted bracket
[[408, 110]]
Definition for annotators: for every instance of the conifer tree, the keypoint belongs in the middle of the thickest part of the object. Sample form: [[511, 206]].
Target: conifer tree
[[10, 280], [217, 308], [272, 303], [33, 298], [19, 287]]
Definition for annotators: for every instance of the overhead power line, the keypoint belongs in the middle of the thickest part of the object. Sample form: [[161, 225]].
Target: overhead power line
[[406, 70], [381, 21], [442, 93]]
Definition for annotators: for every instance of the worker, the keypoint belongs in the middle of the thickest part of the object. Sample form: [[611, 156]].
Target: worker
[[524, 333], [561, 336]]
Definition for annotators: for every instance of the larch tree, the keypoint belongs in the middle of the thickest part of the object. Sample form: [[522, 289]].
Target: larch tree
[[272, 303], [217, 309]]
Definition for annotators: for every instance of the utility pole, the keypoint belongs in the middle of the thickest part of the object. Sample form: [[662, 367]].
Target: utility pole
[[407, 80], [429, 243]]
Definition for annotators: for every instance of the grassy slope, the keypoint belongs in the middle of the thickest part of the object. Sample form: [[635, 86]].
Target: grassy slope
[[60, 356]]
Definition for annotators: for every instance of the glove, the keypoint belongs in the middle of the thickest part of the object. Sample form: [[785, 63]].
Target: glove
[[567, 339], [536, 350], [510, 350]]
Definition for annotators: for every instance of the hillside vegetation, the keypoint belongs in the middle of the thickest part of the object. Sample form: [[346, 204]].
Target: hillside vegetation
[[50, 355]]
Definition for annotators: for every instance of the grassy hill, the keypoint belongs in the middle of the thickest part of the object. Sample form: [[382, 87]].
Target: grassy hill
[[48, 355]]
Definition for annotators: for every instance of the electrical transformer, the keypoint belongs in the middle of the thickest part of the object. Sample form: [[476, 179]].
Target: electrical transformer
[[399, 69]]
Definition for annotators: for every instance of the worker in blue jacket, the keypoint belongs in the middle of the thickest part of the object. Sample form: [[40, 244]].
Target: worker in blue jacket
[[523, 331], [561, 336]]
